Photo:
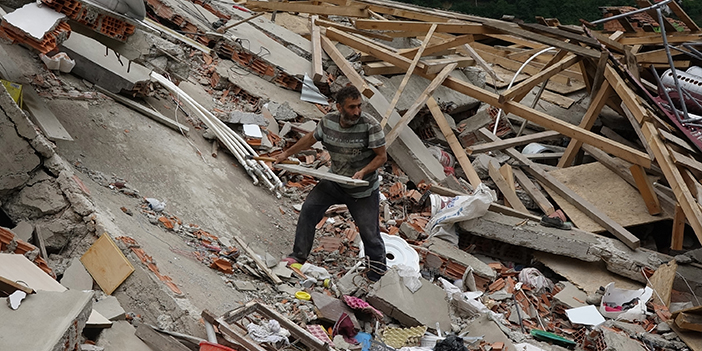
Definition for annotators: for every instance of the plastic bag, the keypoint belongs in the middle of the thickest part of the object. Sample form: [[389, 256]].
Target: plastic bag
[[533, 277], [462, 208], [451, 343], [410, 277], [316, 272]]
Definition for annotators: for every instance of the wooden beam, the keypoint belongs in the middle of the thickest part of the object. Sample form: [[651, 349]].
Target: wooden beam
[[609, 42], [315, 38], [530, 188], [374, 35], [676, 240], [667, 136], [573, 48], [407, 77], [658, 40], [345, 66], [481, 62], [686, 161], [507, 192], [512, 142], [507, 173], [529, 83], [559, 33], [645, 186], [346, 11], [490, 98], [629, 98], [513, 65], [455, 145], [637, 129], [682, 15], [658, 56], [417, 105], [576, 200], [682, 193], [593, 111], [423, 27], [431, 66], [448, 44]]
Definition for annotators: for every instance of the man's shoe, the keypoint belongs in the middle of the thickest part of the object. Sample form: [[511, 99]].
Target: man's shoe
[[289, 261]]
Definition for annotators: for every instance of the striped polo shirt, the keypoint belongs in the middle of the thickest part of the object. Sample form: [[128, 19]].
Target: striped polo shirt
[[351, 148]]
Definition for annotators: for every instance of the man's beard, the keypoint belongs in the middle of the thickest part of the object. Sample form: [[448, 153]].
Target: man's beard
[[349, 120]]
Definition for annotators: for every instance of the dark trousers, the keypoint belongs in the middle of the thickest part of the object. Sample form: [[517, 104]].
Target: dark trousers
[[364, 211]]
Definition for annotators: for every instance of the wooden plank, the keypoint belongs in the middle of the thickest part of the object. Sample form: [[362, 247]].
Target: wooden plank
[[629, 98], [672, 175], [374, 35], [621, 168], [315, 38], [261, 265], [153, 114], [676, 240], [346, 11], [609, 42], [559, 33], [408, 75], [515, 65], [418, 104], [322, 174], [448, 44], [532, 115], [414, 26], [686, 161], [599, 73], [345, 66], [512, 142], [688, 321], [8, 286], [18, 268], [560, 55], [677, 141], [557, 99], [576, 200], [573, 48], [645, 186], [436, 65], [508, 193], [306, 337], [507, 173], [662, 282], [106, 264], [682, 15], [534, 80], [455, 145], [593, 111], [239, 338], [530, 188], [692, 339], [481, 62], [637, 129], [658, 40], [658, 56]]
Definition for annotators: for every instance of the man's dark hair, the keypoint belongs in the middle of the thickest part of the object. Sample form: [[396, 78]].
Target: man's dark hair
[[349, 92]]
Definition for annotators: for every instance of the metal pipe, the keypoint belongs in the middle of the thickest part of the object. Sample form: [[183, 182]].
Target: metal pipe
[[655, 6], [665, 91], [670, 61], [533, 105]]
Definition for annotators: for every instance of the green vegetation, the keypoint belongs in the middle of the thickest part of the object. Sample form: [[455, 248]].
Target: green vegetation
[[567, 11]]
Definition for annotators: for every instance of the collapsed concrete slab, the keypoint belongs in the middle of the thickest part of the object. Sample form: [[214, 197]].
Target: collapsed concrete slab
[[447, 251], [580, 245], [121, 337], [416, 86], [57, 317], [427, 306], [109, 72]]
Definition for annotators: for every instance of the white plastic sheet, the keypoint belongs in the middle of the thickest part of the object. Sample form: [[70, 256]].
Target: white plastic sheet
[[461, 208]]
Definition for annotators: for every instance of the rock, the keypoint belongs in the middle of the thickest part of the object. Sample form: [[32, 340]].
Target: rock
[[241, 117], [41, 199], [683, 259], [409, 231], [110, 308], [24, 230], [658, 341], [500, 295], [480, 164], [76, 277], [663, 328], [283, 112]]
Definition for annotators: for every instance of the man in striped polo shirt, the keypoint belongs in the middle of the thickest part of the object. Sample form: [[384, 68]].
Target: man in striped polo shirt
[[356, 144]]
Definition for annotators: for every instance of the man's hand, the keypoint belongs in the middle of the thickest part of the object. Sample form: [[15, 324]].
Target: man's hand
[[359, 175], [281, 157]]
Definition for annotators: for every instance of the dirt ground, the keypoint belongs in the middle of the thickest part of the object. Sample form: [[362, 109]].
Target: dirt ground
[[214, 193]]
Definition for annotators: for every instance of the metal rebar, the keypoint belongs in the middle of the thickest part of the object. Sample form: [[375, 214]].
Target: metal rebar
[[673, 71]]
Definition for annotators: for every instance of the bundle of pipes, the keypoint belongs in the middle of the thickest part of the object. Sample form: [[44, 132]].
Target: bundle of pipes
[[257, 170]]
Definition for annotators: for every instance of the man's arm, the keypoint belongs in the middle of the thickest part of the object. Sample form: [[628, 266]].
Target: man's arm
[[305, 143], [375, 163]]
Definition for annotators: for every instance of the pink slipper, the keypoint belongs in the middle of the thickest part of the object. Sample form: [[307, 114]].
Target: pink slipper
[[289, 260]]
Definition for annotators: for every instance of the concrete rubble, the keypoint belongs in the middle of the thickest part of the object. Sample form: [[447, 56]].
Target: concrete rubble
[[200, 238]]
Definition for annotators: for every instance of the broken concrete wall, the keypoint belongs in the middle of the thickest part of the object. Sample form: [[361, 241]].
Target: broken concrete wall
[[36, 184]]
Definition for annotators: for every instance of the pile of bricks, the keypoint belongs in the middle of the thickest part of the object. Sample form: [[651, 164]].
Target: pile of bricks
[[165, 13], [48, 43], [92, 18]]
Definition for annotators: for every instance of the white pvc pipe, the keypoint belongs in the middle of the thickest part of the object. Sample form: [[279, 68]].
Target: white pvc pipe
[[499, 113]]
